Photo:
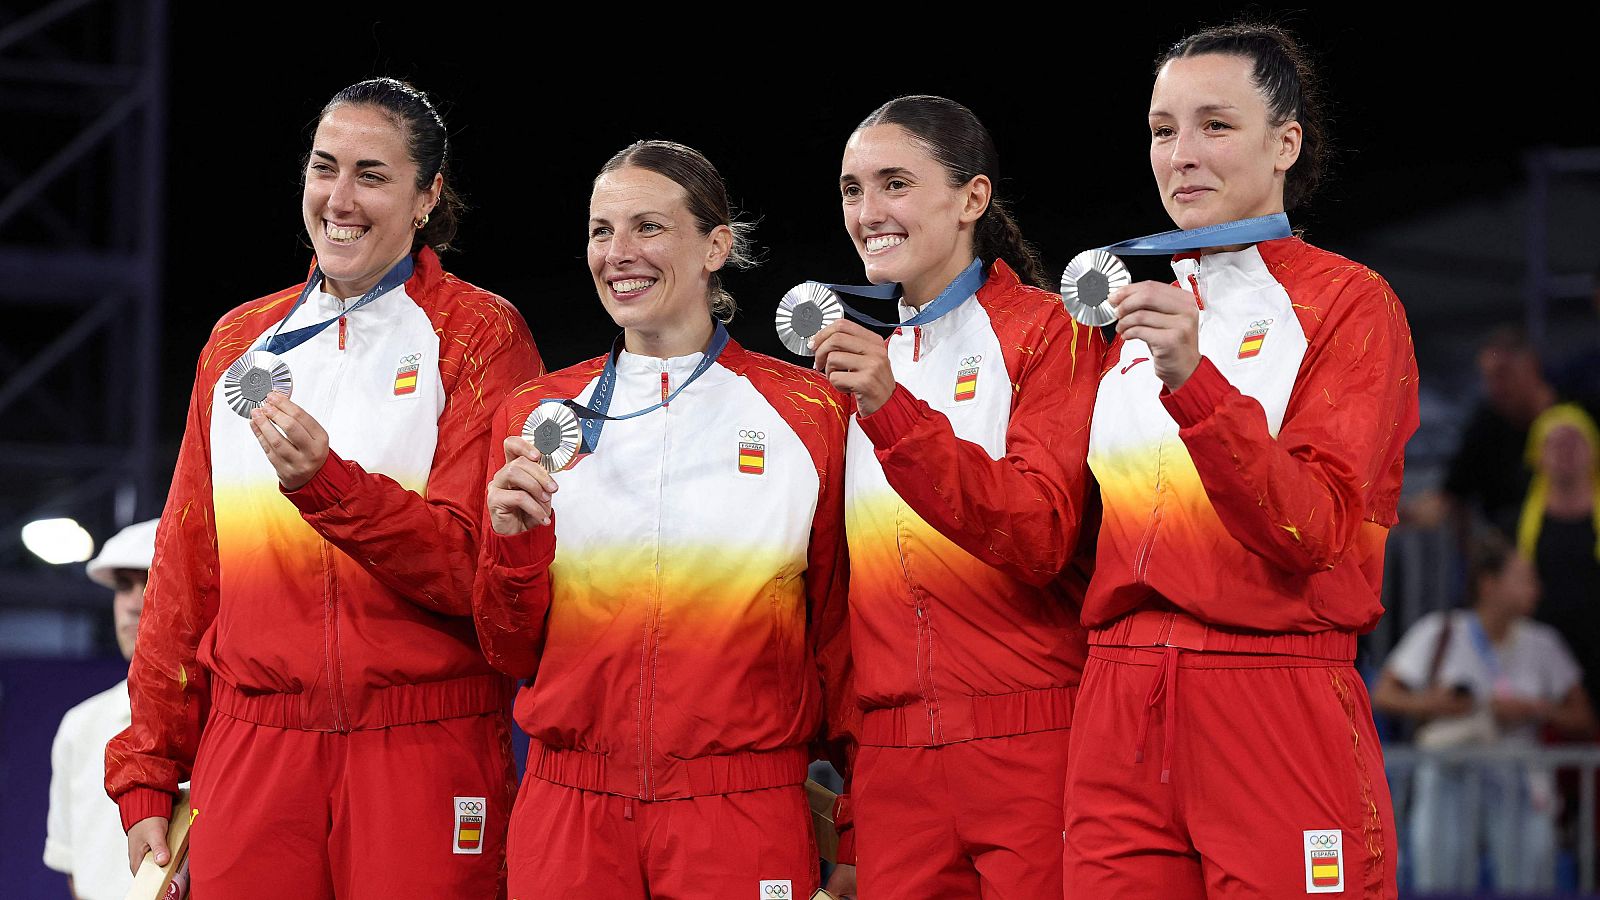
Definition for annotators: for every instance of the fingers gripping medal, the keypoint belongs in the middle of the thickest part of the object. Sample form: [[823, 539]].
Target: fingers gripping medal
[[252, 377], [1087, 285], [807, 309], [552, 428]]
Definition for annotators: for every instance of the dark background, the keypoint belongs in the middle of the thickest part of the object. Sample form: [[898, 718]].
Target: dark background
[[1425, 113]]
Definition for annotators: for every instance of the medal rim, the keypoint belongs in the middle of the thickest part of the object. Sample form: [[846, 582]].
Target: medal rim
[[571, 432], [233, 377], [824, 298], [1107, 264]]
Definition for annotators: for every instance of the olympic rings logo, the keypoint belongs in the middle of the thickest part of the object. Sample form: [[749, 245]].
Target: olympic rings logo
[[471, 806], [1325, 841], [746, 434], [776, 890], [1261, 323], [407, 360], [972, 360]]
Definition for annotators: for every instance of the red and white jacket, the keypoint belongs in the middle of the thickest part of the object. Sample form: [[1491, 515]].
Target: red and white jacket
[[344, 605], [1257, 497], [966, 493], [680, 618]]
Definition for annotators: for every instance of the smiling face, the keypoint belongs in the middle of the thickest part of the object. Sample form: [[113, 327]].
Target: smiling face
[[908, 223], [361, 197], [651, 265], [1215, 155]]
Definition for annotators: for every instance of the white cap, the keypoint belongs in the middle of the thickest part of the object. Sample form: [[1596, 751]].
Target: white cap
[[133, 547]]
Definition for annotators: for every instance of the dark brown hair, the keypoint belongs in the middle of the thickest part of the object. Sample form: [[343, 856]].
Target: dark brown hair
[[954, 137], [707, 198]]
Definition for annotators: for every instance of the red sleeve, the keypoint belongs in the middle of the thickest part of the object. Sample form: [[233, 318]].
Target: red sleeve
[[1020, 513], [426, 549], [1298, 500], [166, 684], [511, 593]]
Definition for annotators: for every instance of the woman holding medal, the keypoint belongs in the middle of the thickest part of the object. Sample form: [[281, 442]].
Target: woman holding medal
[[665, 550], [1247, 440], [306, 647], [966, 492]]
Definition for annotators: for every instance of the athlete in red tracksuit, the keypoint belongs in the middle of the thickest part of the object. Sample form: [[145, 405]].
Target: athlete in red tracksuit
[[306, 650], [965, 493], [677, 617], [1248, 441]]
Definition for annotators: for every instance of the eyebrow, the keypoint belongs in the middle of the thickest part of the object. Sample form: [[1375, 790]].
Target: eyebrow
[[360, 163], [1208, 108], [884, 172], [636, 216]]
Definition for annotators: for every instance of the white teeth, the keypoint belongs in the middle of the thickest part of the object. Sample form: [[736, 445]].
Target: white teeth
[[343, 235], [631, 285], [884, 242]]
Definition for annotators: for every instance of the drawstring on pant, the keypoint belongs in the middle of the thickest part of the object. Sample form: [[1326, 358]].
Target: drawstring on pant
[[1163, 690]]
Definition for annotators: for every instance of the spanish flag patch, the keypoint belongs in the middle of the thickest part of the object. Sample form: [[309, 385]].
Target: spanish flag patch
[[1253, 339], [967, 378], [752, 458], [405, 377]]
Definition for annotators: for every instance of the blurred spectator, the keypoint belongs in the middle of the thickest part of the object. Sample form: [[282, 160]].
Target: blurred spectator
[[83, 830], [1487, 675], [1488, 475], [1559, 529]]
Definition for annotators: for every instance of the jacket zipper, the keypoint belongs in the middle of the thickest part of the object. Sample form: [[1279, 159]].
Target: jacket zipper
[[1194, 285], [652, 635], [341, 703]]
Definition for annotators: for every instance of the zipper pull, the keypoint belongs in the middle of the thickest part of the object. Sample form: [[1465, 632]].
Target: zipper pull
[[1194, 285], [916, 343], [341, 332], [664, 391]]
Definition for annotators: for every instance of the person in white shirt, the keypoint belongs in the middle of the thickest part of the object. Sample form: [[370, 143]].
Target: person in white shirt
[[1487, 675], [83, 832]]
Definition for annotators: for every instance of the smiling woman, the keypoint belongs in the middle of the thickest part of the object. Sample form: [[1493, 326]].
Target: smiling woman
[[965, 490], [314, 564], [684, 612]]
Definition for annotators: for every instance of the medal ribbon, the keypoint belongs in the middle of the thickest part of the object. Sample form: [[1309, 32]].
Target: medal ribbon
[[281, 343], [1224, 234], [965, 285], [593, 417]]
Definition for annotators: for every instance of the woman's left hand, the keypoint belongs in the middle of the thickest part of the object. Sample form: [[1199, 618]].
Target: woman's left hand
[[856, 361], [297, 447], [1166, 318]]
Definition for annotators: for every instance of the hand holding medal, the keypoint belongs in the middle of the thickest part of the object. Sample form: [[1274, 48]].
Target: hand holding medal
[[298, 445], [520, 493], [1097, 290]]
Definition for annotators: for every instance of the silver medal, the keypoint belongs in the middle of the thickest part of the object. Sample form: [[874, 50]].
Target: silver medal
[[252, 377], [807, 309], [1087, 285], [553, 430]]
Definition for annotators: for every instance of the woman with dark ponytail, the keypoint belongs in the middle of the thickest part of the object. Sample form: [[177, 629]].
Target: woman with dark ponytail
[[308, 650], [1248, 442], [966, 490]]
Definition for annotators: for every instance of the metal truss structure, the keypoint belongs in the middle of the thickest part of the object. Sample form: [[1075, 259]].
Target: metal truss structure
[[83, 94]]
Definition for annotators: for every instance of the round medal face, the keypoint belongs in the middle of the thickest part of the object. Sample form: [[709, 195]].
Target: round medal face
[[553, 430], [252, 377], [1087, 285], [807, 309]]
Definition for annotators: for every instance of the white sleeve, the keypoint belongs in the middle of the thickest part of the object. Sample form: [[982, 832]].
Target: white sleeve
[[57, 830], [1561, 669], [1411, 658]]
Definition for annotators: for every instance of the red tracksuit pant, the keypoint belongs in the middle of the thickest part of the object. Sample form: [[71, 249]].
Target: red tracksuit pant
[[571, 844], [1204, 774], [363, 815], [974, 819]]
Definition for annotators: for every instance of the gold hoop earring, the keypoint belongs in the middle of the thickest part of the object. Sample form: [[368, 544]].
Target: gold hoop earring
[[419, 224]]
